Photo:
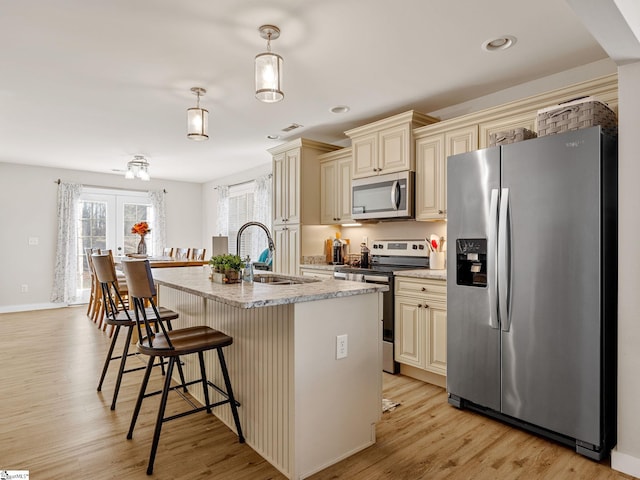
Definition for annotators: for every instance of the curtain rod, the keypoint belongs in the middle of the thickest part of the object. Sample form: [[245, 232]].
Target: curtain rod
[[269, 175], [58, 181]]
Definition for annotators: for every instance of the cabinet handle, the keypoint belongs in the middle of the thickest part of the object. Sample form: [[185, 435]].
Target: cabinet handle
[[426, 306], [440, 212], [424, 289], [419, 305]]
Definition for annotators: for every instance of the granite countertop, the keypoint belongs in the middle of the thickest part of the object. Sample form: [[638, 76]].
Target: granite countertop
[[423, 273], [196, 281]]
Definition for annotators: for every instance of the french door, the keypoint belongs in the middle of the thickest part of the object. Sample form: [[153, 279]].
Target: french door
[[105, 221]]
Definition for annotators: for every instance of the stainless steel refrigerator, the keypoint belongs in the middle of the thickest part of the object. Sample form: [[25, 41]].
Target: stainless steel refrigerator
[[532, 286]]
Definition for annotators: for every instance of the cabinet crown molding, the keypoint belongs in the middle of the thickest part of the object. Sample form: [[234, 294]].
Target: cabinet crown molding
[[416, 118], [303, 142]]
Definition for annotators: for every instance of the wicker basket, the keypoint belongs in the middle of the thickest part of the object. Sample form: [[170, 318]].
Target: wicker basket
[[510, 136], [577, 114]]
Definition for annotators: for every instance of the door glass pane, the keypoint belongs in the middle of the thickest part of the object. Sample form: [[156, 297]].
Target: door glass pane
[[132, 214], [92, 230]]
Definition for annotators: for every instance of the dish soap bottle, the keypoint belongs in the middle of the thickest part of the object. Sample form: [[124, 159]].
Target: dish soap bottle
[[248, 270]]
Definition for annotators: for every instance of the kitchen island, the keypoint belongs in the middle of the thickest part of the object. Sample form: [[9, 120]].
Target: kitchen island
[[302, 409]]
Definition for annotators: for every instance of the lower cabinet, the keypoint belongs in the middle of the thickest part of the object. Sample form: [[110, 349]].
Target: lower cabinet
[[316, 273], [286, 257], [421, 324]]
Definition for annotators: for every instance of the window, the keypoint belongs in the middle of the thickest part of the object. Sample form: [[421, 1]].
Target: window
[[105, 221], [240, 212]]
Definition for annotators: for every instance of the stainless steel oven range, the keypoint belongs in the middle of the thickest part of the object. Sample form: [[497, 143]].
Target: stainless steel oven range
[[387, 258]]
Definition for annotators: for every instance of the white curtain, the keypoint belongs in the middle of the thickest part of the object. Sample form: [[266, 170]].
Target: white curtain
[[222, 223], [158, 221], [66, 269], [261, 213]]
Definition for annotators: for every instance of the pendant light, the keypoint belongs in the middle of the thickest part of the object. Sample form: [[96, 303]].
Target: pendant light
[[198, 119], [138, 168], [269, 69]]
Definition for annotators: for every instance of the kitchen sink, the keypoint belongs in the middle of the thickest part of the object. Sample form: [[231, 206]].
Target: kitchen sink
[[282, 280]]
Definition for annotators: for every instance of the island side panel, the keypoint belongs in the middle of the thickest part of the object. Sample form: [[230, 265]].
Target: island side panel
[[338, 401], [260, 363]]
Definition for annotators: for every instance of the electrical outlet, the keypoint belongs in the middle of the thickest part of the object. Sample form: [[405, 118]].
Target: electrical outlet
[[341, 346], [34, 240], [365, 240], [24, 288]]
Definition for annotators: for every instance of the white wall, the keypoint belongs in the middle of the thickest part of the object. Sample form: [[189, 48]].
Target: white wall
[[28, 209], [626, 457]]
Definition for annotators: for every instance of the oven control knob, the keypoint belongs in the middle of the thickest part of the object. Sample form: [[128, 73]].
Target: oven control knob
[[421, 247], [415, 247]]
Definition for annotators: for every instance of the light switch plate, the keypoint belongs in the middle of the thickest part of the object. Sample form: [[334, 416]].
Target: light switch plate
[[341, 346]]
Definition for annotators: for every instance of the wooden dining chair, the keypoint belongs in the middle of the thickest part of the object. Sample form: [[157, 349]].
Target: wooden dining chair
[[167, 252], [93, 289], [197, 254], [171, 345], [118, 316], [181, 253]]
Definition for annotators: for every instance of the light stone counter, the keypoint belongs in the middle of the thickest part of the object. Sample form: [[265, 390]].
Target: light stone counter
[[251, 295], [423, 273], [301, 408]]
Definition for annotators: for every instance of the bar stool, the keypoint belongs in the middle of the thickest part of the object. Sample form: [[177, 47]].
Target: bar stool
[[118, 317], [172, 344]]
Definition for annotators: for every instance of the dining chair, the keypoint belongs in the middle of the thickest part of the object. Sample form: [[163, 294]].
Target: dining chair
[[172, 344], [197, 254], [181, 253], [167, 252], [93, 289], [118, 316]]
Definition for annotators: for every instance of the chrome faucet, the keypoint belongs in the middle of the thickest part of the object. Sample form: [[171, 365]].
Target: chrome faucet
[[257, 224]]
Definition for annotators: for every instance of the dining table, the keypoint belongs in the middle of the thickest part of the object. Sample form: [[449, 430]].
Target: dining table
[[161, 262]]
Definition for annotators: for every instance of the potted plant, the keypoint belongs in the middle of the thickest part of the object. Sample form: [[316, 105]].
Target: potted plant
[[226, 268]]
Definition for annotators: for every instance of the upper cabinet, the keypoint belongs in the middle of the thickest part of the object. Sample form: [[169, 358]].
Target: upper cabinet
[[386, 146], [335, 187], [296, 189], [432, 151]]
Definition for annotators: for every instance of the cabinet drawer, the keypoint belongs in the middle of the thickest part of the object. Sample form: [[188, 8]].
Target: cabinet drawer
[[418, 287]]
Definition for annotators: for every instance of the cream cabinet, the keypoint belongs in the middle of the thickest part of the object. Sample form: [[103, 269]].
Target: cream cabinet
[[296, 191], [286, 258], [421, 324], [321, 274], [335, 187], [386, 146], [432, 151]]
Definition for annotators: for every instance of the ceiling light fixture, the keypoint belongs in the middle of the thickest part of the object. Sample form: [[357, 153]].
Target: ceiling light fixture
[[269, 69], [138, 168], [500, 43], [198, 119]]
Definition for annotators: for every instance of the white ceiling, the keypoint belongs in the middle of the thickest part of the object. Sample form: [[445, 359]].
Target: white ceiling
[[87, 84]]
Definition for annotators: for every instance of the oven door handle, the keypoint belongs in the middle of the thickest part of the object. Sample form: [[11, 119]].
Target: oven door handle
[[375, 279]]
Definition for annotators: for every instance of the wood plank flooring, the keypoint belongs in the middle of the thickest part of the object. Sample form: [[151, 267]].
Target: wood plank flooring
[[54, 424]]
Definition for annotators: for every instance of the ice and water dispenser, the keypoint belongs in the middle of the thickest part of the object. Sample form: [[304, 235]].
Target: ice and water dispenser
[[471, 262]]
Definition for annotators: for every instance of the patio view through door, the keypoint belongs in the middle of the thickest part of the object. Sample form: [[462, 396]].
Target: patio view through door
[[105, 221]]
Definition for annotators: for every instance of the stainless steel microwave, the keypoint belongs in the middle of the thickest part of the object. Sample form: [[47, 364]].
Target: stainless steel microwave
[[384, 196]]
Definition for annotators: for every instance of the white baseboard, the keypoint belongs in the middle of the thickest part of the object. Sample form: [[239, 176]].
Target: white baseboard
[[625, 463], [33, 306]]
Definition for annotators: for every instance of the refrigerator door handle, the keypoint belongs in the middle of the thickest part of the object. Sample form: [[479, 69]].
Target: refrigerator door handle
[[503, 260], [492, 264]]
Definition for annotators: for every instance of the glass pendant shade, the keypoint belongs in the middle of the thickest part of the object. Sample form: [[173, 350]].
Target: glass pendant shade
[[197, 124], [269, 77], [138, 168]]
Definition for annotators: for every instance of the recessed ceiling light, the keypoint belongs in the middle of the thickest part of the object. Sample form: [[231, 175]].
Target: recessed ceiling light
[[339, 109], [499, 43], [273, 137]]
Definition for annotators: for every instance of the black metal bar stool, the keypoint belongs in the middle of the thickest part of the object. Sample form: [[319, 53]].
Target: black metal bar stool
[[171, 344], [117, 315]]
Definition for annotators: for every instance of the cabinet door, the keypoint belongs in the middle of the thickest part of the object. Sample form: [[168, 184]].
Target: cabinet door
[[286, 257], [293, 159], [328, 195], [365, 156], [343, 190], [280, 183], [430, 178], [409, 331], [395, 149], [462, 140], [436, 356]]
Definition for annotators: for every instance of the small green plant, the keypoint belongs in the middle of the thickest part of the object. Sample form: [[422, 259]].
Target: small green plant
[[222, 263]]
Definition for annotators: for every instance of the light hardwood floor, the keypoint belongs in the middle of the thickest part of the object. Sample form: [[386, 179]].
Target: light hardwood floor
[[54, 424]]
